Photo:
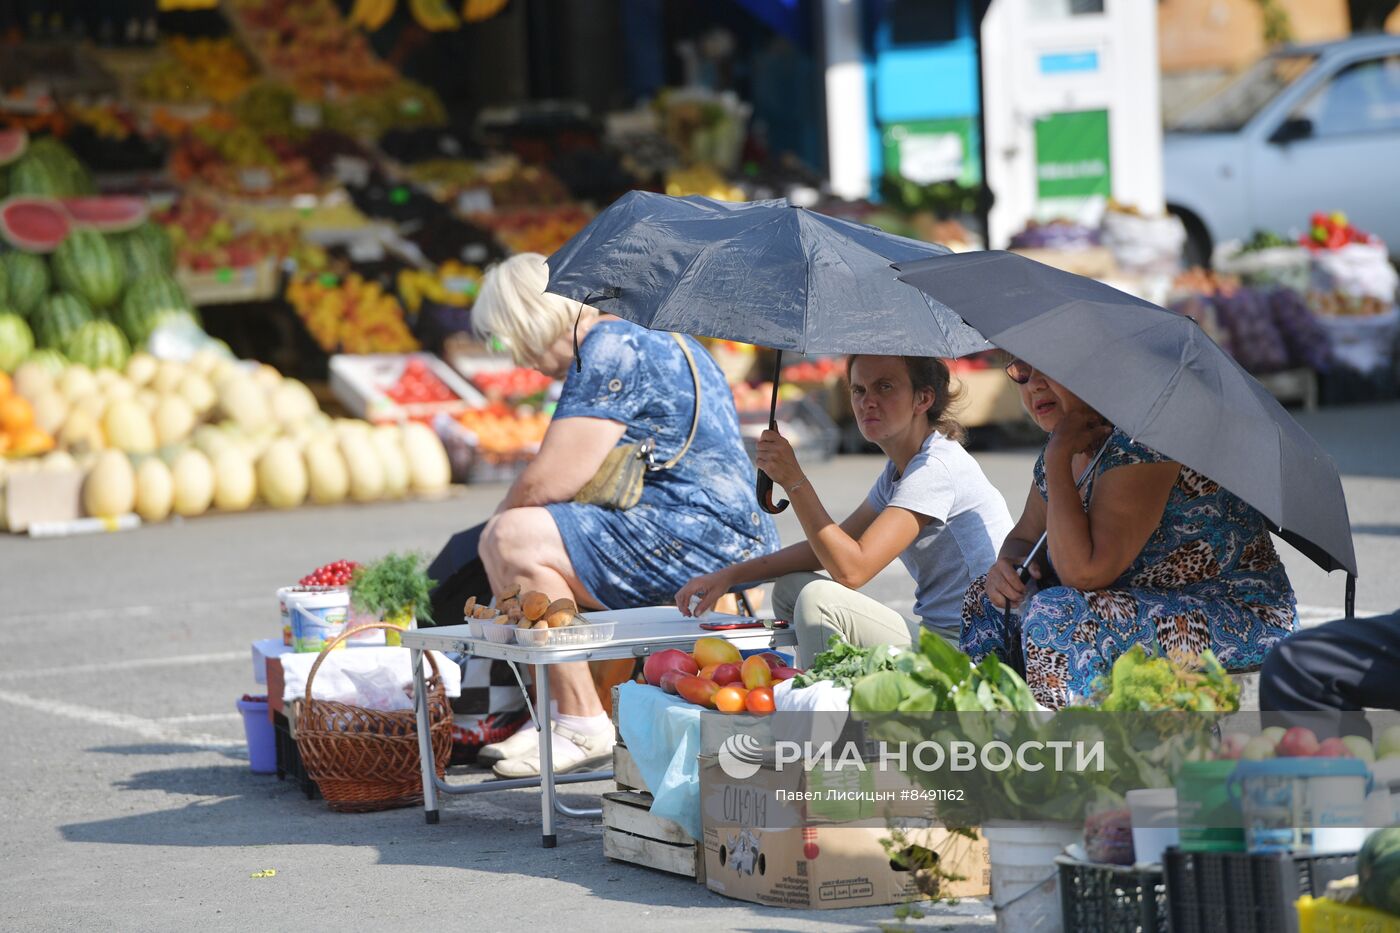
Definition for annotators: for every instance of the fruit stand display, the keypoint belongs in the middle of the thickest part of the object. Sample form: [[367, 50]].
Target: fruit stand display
[[391, 388]]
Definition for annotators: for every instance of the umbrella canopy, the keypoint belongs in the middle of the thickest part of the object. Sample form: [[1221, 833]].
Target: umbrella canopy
[[763, 272], [1156, 375]]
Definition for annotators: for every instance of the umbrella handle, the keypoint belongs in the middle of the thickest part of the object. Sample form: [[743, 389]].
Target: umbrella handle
[[764, 486]]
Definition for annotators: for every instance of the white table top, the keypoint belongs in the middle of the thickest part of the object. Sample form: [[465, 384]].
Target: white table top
[[639, 632]]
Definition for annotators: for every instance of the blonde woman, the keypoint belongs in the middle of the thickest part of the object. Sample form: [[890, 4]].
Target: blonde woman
[[623, 384]]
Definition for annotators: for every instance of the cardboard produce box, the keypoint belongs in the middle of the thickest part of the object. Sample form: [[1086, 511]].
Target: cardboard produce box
[[763, 847]]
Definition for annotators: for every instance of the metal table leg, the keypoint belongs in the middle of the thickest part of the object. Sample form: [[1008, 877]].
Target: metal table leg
[[546, 725], [425, 738]]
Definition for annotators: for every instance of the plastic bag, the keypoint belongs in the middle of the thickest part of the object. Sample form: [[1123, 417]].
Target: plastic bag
[[378, 689]]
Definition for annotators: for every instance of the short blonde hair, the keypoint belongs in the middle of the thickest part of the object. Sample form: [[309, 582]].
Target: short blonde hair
[[513, 307]]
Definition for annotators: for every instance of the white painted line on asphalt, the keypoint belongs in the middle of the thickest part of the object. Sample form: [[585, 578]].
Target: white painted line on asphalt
[[109, 613], [201, 717], [93, 716], [106, 667]]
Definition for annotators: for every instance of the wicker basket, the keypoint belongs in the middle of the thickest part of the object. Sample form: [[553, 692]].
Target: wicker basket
[[364, 759]]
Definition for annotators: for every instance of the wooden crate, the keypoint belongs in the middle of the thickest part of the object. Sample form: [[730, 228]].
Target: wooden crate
[[626, 773], [632, 834]]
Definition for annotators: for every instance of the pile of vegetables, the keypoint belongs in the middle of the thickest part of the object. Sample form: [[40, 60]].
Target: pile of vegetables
[[843, 663], [1139, 684]]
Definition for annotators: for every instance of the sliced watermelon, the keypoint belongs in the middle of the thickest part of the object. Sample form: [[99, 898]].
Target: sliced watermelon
[[35, 225], [12, 144], [111, 213]]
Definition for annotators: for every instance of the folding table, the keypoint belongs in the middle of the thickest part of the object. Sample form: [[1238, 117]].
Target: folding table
[[638, 633]]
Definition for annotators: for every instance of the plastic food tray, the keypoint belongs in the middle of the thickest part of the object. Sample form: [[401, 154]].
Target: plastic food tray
[[568, 636]]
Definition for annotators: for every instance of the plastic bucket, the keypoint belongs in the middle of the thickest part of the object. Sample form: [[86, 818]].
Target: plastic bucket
[[262, 739], [1025, 879], [1207, 819], [317, 617], [1315, 805], [1154, 822]]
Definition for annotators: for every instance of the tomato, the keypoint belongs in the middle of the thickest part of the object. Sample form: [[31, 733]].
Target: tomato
[[730, 699], [759, 701]]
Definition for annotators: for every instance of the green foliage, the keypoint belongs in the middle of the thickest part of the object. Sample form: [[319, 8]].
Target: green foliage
[[392, 583], [942, 199], [1138, 683], [843, 663]]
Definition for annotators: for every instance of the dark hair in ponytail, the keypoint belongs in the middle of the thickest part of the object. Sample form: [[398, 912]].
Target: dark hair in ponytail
[[930, 372]]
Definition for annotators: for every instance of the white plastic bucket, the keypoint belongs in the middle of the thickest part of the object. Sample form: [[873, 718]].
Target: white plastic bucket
[[317, 617], [1025, 879], [1154, 822]]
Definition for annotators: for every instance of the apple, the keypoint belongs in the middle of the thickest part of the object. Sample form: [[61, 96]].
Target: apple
[[1389, 744], [1274, 734], [1298, 742], [1232, 745], [1359, 748], [1333, 748], [726, 674], [1258, 748], [773, 660]]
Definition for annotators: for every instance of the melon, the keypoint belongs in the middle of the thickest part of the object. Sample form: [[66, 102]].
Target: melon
[[108, 213], [155, 490], [141, 368], [196, 390], [58, 317], [174, 420], [81, 433], [363, 466], [13, 142], [282, 475], [244, 402], [292, 402], [51, 361], [168, 375], [327, 477], [94, 404], [1378, 869], [35, 225], [98, 343], [149, 400], [110, 489], [86, 264], [389, 449], [26, 280], [50, 410], [128, 427], [57, 461], [16, 341], [428, 467], [194, 483], [235, 483], [77, 381], [34, 377]]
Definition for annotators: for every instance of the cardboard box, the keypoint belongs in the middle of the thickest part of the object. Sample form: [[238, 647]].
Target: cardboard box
[[43, 496], [761, 848]]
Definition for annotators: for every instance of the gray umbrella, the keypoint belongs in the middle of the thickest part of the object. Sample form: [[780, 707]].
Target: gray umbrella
[[1156, 375], [763, 272]]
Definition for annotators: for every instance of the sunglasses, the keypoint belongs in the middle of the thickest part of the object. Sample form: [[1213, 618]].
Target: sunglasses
[[1020, 371]]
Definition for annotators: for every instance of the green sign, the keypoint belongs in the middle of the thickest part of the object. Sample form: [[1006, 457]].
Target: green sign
[[930, 151], [1071, 155]]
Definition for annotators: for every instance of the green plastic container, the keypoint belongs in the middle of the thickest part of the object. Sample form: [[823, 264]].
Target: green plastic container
[[1209, 820]]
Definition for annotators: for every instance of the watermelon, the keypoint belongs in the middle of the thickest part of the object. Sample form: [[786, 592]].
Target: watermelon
[[148, 302], [28, 280], [109, 213], [58, 317], [35, 225], [1378, 869], [140, 255], [49, 168], [52, 360], [16, 341], [97, 344], [157, 240], [86, 264], [12, 144]]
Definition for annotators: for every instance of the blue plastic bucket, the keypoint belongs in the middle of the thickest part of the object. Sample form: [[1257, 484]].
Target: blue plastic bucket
[[1302, 804], [262, 739]]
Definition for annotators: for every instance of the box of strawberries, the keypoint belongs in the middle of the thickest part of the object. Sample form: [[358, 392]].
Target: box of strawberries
[[396, 387]]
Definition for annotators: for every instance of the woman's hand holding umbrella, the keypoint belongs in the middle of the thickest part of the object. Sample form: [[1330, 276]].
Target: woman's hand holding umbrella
[[777, 458], [1004, 583]]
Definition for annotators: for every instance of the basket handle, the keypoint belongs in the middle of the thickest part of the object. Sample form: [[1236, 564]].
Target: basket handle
[[311, 675]]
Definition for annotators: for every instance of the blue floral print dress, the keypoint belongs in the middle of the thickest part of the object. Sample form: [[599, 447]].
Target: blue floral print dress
[[1209, 577], [693, 519]]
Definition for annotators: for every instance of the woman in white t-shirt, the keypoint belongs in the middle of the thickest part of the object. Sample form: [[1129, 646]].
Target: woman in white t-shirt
[[931, 507]]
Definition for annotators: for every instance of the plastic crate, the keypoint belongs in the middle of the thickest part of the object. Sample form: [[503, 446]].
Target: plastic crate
[[1096, 898], [1319, 915], [1243, 892]]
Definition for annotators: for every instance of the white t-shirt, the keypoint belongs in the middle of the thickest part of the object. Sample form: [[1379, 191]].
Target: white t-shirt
[[968, 522]]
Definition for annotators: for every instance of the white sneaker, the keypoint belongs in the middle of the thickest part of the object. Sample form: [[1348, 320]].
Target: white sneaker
[[525, 740], [573, 751]]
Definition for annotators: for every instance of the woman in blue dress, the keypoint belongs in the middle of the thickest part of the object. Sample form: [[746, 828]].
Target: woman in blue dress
[[626, 385], [1147, 552]]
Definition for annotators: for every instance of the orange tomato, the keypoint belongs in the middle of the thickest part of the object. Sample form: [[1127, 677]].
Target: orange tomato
[[30, 441], [730, 699], [16, 414], [6, 386], [759, 701]]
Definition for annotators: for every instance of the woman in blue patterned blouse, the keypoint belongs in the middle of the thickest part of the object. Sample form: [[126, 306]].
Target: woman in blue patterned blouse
[[1147, 552], [629, 384]]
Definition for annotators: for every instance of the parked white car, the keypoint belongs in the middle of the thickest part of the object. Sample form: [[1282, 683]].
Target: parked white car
[[1307, 128]]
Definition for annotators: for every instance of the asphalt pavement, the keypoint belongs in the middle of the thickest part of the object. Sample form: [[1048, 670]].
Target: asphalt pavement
[[129, 804]]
